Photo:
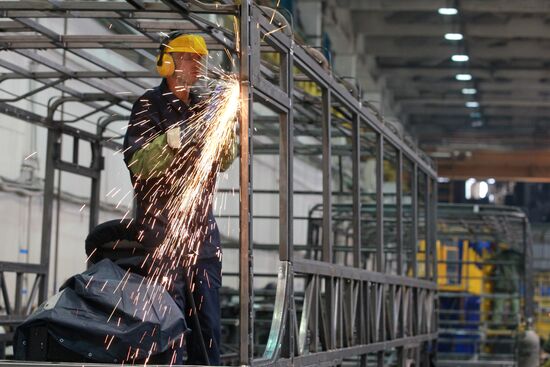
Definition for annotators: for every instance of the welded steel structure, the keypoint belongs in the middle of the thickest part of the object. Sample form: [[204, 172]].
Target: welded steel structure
[[349, 311], [480, 318]]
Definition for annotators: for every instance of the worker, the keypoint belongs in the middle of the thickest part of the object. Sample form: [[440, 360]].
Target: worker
[[152, 143]]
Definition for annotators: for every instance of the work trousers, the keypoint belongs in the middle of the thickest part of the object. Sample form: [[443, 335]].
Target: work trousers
[[204, 280]]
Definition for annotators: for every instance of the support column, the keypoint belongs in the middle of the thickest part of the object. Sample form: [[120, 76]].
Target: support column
[[246, 317]]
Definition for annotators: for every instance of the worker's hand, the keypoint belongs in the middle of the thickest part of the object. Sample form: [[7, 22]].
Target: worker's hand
[[173, 137]]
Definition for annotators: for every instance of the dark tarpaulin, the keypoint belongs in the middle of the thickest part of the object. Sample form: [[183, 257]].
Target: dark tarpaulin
[[96, 316]]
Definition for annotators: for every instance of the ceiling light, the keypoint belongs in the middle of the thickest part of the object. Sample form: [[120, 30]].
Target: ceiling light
[[472, 104], [483, 189], [460, 58], [469, 91], [463, 77], [447, 11], [453, 36]]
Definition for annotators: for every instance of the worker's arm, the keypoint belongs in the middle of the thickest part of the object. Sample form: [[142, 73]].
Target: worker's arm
[[153, 158], [146, 152]]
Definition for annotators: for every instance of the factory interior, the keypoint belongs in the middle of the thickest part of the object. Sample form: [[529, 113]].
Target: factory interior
[[275, 183]]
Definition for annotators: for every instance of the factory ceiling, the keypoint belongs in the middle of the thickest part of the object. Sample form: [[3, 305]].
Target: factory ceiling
[[465, 76]]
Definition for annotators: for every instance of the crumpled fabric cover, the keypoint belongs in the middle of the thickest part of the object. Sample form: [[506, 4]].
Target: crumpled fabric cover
[[96, 315]]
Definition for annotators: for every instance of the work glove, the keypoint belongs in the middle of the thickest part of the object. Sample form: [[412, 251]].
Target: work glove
[[228, 155], [173, 137]]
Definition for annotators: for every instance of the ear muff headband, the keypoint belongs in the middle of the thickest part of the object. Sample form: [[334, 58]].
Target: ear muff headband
[[165, 62], [164, 43]]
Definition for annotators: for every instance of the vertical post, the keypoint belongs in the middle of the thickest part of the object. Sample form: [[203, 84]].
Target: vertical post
[[356, 196], [327, 215], [380, 237], [17, 309], [528, 266], [414, 208], [356, 158], [427, 223], [97, 164], [433, 227], [399, 233], [380, 204], [286, 212], [286, 157], [399, 212], [433, 233], [327, 178], [414, 247], [47, 211], [246, 319]]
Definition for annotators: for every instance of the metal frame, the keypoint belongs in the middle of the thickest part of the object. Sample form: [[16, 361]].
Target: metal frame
[[496, 224], [337, 297], [344, 313]]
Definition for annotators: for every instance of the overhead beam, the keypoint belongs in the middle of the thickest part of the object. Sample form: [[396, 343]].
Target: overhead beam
[[484, 102], [484, 86], [500, 122], [375, 26], [527, 165], [446, 111], [113, 42], [87, 8], [439, 49], [431, 72]]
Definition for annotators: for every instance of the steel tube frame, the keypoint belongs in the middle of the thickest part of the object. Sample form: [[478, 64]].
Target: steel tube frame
[[321, 276], [344, 296], [498, 224]]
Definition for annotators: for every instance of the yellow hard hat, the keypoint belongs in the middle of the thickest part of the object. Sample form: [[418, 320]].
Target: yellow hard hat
[[178, 42]]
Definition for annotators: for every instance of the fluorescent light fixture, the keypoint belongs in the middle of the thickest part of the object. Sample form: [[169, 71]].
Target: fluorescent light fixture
[[472, 104], [469, 91], [463, 77], [491, 181], [453, 36], [468, 187], [443, 179], [483, 189], [460, 58], [447, 11]]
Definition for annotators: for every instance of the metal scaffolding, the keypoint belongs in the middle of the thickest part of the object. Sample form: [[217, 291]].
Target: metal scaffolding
[[348, 310]]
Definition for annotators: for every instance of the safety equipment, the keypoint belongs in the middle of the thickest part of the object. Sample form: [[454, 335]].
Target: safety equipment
[[178, 42], [173, 137]]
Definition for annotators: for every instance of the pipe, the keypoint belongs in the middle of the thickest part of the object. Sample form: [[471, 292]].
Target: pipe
[[319, 57], [282, 22]]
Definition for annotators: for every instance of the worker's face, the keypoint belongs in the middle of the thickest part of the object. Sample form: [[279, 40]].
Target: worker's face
[[188, 67]]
